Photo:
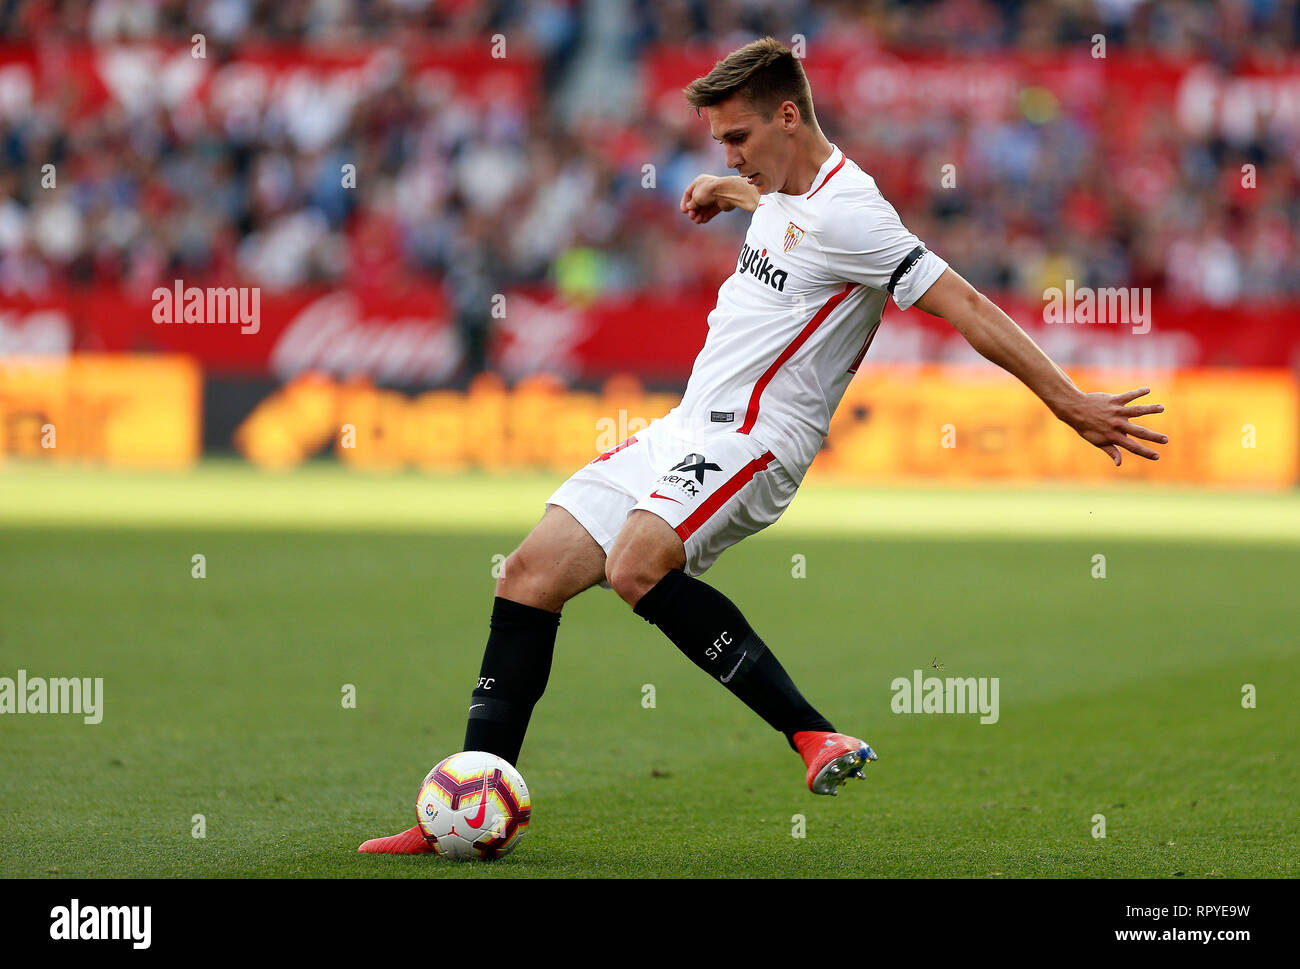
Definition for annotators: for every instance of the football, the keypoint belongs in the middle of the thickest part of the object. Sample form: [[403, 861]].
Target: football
[[473, 805]]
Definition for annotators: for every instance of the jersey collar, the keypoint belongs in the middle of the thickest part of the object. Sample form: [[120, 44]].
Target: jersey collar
[[829, 167]]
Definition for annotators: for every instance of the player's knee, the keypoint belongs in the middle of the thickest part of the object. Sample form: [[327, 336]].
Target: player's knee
[[545, 577], [623, 577], [632, 573], [518, 580]]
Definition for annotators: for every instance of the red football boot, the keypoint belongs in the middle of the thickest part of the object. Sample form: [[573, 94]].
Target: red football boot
[[832, 758], [412, 842]]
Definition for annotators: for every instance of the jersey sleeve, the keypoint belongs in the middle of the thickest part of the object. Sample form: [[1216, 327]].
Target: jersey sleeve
[[867, 243]]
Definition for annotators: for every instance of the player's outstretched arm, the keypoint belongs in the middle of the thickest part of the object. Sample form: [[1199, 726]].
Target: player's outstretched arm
[[1102, 420], [708, 195]]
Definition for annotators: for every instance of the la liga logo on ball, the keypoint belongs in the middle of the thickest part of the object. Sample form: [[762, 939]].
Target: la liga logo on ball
[[473, 806]]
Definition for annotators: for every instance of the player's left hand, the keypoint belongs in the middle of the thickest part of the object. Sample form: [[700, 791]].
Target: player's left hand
[[699, 201], [707, 195], [1103, 420]]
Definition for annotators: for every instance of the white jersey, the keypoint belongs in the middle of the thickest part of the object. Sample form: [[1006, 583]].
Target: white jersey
[[795, 319]]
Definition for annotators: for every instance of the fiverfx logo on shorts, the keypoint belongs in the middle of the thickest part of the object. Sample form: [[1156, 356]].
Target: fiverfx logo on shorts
[[698, 464], [693, 468]]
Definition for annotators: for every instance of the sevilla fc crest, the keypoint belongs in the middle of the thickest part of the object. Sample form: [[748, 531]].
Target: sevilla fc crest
[[793, 236]]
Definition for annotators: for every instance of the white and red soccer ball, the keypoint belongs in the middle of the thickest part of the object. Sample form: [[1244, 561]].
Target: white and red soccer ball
[[473, 805]]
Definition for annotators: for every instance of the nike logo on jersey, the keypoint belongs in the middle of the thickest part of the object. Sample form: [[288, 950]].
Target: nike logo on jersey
[[655, 494]]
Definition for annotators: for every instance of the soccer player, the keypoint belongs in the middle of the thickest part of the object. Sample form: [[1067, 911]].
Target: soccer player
[[823, 253]]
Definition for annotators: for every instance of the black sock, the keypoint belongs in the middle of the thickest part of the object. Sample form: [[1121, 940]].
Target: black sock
[[516, 666], [709, 629]]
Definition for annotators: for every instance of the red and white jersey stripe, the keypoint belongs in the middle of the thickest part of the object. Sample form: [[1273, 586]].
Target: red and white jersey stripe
[[792, 323]]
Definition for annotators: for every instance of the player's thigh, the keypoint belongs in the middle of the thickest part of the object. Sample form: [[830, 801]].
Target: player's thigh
[[557, 560], [600, 494]]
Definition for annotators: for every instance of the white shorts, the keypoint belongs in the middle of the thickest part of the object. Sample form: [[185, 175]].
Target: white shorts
[[712, 490]]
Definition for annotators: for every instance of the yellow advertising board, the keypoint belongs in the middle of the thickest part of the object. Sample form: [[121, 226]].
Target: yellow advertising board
[[1234, 428], [1225, 427], [122, 411]]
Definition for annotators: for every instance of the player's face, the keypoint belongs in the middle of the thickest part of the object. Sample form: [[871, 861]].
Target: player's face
[[759, 150]]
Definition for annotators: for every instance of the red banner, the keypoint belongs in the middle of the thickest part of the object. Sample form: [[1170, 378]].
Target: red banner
[[400, 337], [408, 337]]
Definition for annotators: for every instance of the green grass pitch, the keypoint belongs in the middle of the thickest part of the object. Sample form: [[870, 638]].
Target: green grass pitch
[[1119, 696]]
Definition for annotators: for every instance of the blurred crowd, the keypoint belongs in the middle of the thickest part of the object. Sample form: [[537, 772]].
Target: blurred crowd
[[1218, 27], [309, 21], [508, 193]]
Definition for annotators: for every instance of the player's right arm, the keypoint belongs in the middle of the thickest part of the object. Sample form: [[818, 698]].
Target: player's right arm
[[708, 195], [1102, 420]]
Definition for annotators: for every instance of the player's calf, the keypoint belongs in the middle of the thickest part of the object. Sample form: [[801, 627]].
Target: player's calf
[[705, 625], [555, 562]]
